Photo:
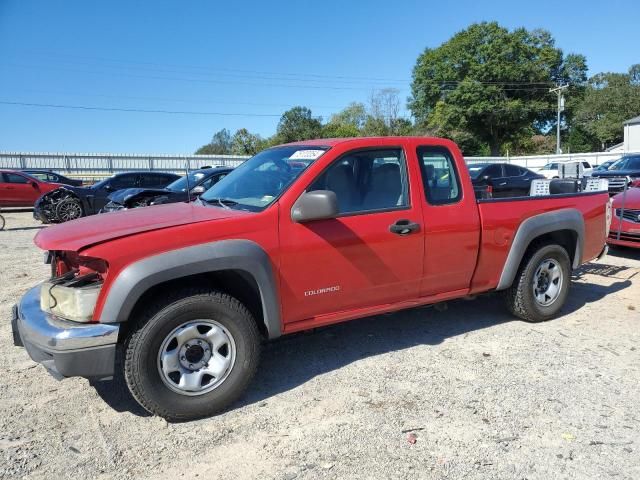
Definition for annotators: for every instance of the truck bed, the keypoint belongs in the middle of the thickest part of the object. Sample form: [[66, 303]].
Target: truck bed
[[500, 219]]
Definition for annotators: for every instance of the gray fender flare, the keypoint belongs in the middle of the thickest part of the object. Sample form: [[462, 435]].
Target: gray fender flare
[[244, 255], [532, 227]]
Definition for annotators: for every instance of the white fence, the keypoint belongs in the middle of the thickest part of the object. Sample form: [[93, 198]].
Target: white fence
[[90, 166], [537, 161]]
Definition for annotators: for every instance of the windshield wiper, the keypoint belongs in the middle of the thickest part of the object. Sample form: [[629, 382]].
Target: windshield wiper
[[223, 202]]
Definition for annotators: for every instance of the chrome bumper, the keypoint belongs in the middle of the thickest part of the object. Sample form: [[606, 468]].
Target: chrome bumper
[[65, 348]]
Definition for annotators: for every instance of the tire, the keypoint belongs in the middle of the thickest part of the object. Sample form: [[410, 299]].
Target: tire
[[152, 336], [69, 209], [533, 303], [1, 222]]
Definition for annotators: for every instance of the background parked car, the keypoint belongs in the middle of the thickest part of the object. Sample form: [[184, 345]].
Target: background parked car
[[550, 170], [625, 225], [19, 189], [68, 203], [619, 174], [505, 179], [54, 177], [199, 181]]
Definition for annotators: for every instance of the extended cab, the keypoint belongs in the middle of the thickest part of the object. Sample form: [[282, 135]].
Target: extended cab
[[299, 236]]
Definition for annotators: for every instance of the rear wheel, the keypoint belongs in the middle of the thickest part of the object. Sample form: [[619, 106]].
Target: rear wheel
[[542, 284], [192, 356]]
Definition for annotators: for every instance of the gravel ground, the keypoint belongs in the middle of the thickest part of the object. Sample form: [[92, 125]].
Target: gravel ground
[[483, 395]]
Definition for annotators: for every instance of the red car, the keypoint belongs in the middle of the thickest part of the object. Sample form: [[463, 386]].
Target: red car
[[19, 189], [625, 226], [182, 295]]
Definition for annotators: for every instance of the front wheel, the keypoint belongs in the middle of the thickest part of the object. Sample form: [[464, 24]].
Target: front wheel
[[542, 284], [69, 209], [192, 356]]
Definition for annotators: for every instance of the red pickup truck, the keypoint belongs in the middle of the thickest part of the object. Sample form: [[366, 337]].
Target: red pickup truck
[[299, 236]]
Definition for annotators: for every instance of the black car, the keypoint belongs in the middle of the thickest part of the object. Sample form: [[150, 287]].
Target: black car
[[68, 203], [198, 182], [53, 177], [505, 179], [624, 171]]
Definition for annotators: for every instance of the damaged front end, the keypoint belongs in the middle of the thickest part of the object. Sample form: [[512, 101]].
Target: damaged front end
[[134, 198], [54, 321], [57, 206]]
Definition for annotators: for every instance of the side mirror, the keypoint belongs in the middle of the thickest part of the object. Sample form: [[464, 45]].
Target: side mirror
[[34, 185], [198, 190], [316, 205]]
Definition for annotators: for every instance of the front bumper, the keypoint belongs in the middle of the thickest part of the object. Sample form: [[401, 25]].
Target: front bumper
[[629, 233], [65, 348], [112, 207]]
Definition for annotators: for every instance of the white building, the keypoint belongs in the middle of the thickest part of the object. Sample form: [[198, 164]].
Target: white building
[[632, 135]]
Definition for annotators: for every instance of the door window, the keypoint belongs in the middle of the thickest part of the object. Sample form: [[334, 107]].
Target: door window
[[439, 175], [367, 181], [211, 181], [15, 178]]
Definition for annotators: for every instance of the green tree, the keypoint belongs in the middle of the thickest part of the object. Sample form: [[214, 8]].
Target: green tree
[[246, 143], [354, 114], [491, 82], [609, 100], [298, 124], [339, 130], [220, 144]]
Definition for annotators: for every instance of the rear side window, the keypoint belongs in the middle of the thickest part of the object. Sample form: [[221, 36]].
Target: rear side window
[[123, 181], [15, 178], [439, 175], [154, 181], [512, 170]]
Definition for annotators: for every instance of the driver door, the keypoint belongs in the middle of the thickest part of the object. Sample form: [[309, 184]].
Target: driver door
[[331, 267]]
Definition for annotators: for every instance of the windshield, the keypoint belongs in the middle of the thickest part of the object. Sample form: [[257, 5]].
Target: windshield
[[628, 163], [475, 169], [181, 184], [256, 183], [550, 166], [101, 183]]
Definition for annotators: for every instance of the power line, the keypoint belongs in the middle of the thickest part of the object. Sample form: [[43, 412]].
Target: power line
[[177, 100], [195, 80], [317, 78], [137, 110]]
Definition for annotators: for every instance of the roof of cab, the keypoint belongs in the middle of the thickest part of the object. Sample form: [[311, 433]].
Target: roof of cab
[[332, 142]]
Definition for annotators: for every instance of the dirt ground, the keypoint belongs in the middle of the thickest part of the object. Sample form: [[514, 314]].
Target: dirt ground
[[486, 396]]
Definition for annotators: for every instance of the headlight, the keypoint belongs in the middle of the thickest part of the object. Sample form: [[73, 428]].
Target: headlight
[[71, 303]]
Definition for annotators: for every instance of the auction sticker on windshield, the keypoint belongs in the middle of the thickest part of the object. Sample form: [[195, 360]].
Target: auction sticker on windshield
[[306, 155]]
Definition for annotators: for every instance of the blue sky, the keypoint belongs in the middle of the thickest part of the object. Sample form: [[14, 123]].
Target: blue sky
[[251, 59]]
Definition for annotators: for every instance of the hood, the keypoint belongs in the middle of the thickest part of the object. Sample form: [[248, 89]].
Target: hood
[[632, 201], [87, 231], [121, 196]]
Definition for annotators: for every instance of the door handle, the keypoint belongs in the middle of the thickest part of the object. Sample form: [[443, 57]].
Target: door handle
[[502, 184], [404, 227]]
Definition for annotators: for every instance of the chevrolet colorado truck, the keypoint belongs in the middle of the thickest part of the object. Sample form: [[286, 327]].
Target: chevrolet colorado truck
[[181, 296]]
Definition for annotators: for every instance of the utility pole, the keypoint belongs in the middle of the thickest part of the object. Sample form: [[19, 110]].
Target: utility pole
[[559, 91]]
